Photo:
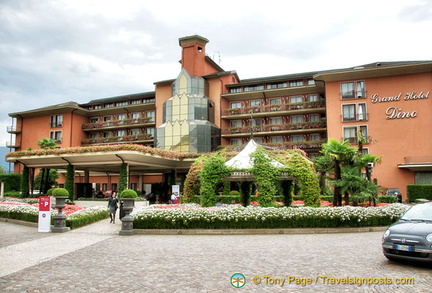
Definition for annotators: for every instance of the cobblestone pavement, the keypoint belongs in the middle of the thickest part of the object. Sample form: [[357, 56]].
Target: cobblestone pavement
[[96, 259]]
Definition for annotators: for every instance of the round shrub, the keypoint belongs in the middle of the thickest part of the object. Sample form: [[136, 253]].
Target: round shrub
[[128, 193], [50, 191], [60, 192]]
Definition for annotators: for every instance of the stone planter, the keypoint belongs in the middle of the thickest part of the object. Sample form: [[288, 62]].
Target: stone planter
[[127, 220], [60, 218]]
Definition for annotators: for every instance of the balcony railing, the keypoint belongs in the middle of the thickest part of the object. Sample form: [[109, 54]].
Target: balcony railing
[[114, 123], [274, 127], [313, 144], [275, 107], [356, 117], [118, 139], [12, 144], [13, 129]]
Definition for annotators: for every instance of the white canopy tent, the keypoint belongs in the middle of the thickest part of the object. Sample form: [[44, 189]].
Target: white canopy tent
[[243, 160]]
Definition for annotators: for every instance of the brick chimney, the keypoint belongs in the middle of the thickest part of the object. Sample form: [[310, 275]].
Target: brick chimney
[[193, 55]]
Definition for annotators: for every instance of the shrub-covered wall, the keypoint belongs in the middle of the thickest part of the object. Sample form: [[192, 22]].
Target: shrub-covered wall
[[12, 182], [419, 191]]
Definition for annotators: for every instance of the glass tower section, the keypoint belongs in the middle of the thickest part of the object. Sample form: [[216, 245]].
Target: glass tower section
[[187, 118]]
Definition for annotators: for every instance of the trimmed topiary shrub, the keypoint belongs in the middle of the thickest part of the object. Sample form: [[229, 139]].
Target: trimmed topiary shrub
[[60, 192], [128, 193]]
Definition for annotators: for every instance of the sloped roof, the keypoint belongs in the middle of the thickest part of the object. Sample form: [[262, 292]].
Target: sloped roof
[[243, 160]]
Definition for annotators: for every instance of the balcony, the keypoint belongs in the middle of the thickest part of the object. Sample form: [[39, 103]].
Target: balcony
[[143, 121], [266, 128], [12, 144], [315, 144], [140, 138], [13, 129], [303, 107]]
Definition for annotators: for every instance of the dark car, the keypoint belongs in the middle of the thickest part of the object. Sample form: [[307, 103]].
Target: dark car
[[396, 192], [410, 238]]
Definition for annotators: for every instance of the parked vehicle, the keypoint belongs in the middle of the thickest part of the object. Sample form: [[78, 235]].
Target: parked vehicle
[[395, 191], [410, 238]]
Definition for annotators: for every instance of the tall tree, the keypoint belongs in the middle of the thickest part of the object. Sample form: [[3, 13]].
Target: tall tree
[[339, 153], [45, 143]]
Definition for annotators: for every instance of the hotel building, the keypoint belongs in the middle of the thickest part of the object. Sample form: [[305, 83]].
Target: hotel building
[[205, 107]]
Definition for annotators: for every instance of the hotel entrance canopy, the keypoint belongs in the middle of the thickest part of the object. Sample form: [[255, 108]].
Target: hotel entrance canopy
[[106, 159]]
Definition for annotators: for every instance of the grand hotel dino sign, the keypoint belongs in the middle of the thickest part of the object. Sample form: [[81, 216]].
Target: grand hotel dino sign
[[396, 112]]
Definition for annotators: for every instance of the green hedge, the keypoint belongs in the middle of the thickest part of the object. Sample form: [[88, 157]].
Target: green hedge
[[419, 191]]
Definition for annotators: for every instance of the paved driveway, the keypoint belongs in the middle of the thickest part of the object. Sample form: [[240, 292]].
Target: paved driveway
[[97, 259]]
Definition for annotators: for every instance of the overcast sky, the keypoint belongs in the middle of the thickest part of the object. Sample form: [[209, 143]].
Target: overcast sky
[[79, 50]]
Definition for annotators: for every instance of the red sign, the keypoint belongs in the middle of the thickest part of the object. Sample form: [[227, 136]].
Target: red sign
[[44, 204]]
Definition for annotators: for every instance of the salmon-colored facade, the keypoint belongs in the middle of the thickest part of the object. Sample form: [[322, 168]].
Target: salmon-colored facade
[[205, 107]]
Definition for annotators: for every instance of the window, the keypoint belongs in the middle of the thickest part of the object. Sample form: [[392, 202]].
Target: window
[[253, 88], [148, 100], [297, 138], [258, 140], [136, 115], [109, 106], [135, 102], [353, 90], [275, 120], [94, 135], [275, 139], [135, 131], [151, 114], [107, 118], [296, 119], [119, 104], [56, 121], [351, 133], [296, 99], [354, 112], [121, 117], [313, 118], [94, 120], [348, 112], [314, 137], [311, 82], [56, 135], [235, 105], [277, 85], [114, 186], [236, 141], [313, 98], [236, 90], [107, 134], [255, 122], [150, 131], [104, 187], [236, 123], [97, 107], [296, 83], [255, 103], [121, 133], [274, 101]]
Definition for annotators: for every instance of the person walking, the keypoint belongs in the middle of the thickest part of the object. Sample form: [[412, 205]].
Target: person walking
[[113, 205]]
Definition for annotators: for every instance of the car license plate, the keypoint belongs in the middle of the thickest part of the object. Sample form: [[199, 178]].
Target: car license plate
[[404, 247]]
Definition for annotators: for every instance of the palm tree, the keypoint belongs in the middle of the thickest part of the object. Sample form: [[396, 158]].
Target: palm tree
[[339, 153]]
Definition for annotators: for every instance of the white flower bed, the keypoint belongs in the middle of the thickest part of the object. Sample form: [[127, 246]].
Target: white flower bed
[[308, 215]]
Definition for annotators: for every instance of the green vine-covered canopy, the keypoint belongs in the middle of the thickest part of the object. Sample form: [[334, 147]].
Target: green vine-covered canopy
[[253, 163]]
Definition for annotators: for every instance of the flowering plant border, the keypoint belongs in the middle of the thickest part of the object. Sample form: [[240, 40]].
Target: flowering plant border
[[237, 217]]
